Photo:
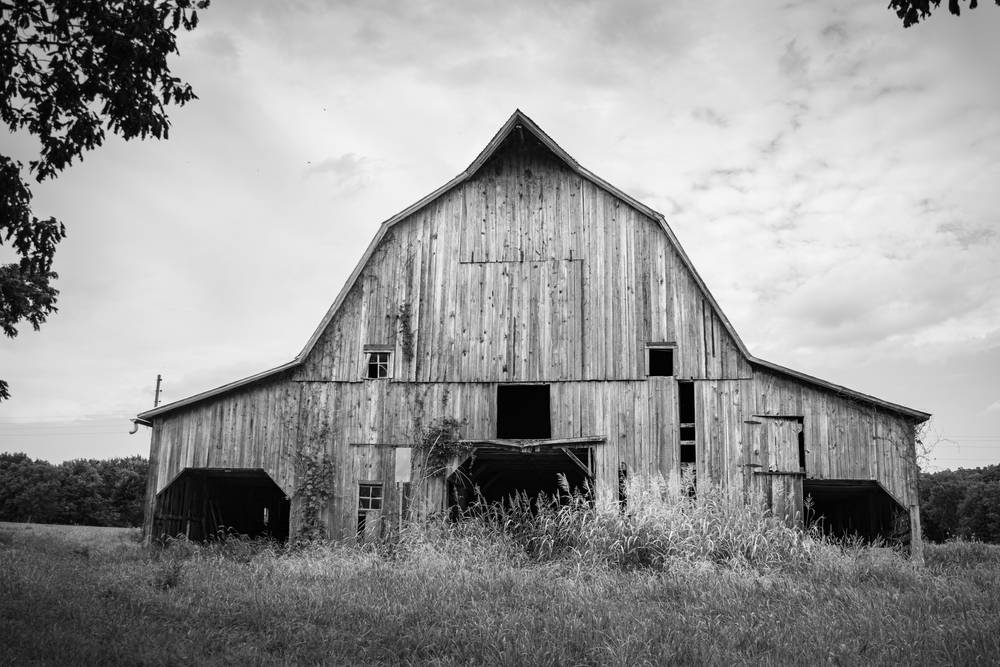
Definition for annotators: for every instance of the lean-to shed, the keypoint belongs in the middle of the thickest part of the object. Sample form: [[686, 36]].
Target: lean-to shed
[[561, 322]]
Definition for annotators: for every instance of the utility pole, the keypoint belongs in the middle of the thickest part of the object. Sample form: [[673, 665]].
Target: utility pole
[[156, 396]]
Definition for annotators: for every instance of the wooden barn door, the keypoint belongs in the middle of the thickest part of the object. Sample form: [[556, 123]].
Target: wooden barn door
[[774, 464]]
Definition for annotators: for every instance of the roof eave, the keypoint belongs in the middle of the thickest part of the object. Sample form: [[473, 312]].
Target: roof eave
[[190, 400], [916, 415]]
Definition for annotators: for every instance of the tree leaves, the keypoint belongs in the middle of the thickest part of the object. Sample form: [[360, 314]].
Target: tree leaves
[[914, 11], [71, 70], [91, 492], [963, 503]]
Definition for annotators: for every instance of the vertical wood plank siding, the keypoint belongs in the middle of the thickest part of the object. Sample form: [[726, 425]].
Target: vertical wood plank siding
[[527, 272], [844, 438]]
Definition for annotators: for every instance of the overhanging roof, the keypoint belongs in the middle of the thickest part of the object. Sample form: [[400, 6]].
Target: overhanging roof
[[519, 121]]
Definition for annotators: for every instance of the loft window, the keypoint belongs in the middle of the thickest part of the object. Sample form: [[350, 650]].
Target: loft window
[[377, 366], [523, 411], [369, 496], [659, 360]]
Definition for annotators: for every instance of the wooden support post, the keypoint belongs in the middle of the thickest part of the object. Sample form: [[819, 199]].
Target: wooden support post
[[916, 538]]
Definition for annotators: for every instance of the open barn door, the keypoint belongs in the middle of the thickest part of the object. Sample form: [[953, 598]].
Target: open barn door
[[201, 502], [776, 464], [494, 474], [856, 508]]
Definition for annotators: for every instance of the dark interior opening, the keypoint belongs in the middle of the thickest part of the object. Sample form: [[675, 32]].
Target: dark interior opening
[[685, 402], [661, 361], [802, 448], [854, 508], [622, 486], [523, 411], [495, 474], [202, 502]]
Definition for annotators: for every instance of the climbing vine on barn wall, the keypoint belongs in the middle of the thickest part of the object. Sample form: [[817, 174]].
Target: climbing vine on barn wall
[[403, 315], [313, 482], [440, 443]]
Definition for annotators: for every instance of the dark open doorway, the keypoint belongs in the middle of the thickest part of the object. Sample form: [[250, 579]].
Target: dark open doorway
[[523, 411], [201, 502], [854, 508], [500, 473]]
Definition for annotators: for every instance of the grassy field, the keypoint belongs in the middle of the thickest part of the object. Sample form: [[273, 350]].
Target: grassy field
[[72, 595]]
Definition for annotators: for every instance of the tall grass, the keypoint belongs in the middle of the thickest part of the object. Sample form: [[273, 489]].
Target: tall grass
[[660, 525], [669, 580]]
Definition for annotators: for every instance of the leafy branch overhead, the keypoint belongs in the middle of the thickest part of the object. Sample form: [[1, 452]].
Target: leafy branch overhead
[[914, 11], [71, 70]]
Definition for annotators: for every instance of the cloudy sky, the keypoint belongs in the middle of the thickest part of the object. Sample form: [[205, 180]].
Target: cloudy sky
[[832, 176]]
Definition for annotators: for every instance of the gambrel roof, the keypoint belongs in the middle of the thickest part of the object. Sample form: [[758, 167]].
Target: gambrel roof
[[519, 122]]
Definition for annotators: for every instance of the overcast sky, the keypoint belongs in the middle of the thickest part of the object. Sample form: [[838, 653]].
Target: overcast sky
[[832, 176]]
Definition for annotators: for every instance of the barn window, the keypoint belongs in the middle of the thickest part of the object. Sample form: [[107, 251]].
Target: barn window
[[659, 360], [377, 364], [523, 411], [369, 496]]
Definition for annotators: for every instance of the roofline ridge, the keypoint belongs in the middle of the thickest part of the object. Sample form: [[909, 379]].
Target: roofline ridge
[[485, 154]]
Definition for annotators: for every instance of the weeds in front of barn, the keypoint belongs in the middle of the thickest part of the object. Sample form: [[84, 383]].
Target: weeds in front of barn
[[669, 579]]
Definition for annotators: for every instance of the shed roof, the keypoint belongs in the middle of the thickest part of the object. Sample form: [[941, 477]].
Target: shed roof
[[520, 121]]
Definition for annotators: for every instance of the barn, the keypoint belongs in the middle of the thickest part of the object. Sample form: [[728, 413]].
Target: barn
[[553, 324]]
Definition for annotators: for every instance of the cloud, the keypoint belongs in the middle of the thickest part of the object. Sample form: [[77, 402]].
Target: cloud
[[967, 236], [710, 116], [793, 63], [347, 171], [835, 31], [993, 407], [219, 45]]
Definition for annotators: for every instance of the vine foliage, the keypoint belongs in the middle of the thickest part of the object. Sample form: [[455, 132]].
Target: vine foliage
[[403, 315], [314, 483], [440, 442]]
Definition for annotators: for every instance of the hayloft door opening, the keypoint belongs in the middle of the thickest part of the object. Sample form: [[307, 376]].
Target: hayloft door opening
[[495, 475], [202, 503], [523, 411]]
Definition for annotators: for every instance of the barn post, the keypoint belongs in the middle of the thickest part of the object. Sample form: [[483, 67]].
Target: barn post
[[916, 536]]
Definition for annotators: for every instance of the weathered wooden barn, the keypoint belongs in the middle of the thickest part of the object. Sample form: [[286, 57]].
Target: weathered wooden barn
[[561, 322]]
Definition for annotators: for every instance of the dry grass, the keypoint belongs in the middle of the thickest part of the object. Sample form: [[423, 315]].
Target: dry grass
[[474, 594]]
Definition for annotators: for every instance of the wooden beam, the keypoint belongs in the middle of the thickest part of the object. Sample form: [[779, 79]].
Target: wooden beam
[[578, 462], [528, 445], [793, 473], [484, 487]]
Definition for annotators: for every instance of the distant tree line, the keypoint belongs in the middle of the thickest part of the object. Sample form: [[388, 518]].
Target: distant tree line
[[84, 491], [963, 503]]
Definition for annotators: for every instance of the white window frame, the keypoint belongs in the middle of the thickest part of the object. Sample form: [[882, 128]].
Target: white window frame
[[367, 360]]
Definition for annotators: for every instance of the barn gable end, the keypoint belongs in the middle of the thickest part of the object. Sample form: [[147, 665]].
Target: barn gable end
[[545, 276], [526, 270]]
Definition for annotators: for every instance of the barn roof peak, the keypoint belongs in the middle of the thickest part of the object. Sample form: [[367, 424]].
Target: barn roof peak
[[520, 122]]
